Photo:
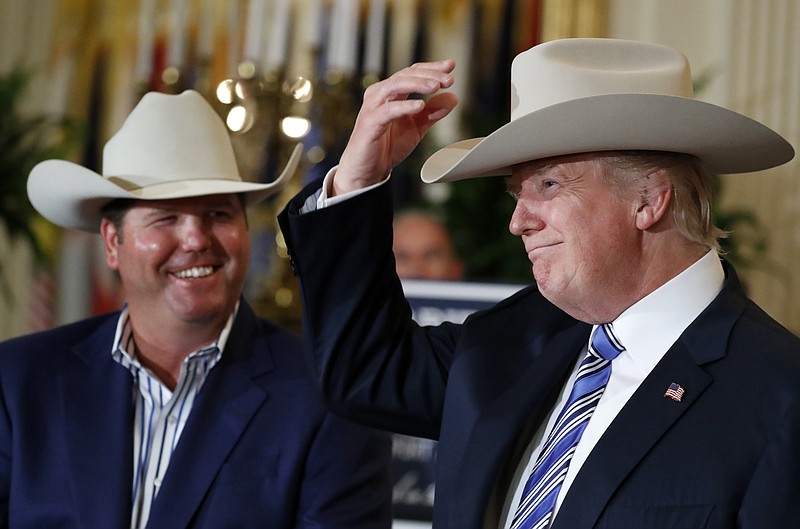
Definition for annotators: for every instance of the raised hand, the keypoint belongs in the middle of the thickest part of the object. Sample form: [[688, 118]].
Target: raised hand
[[390, 125]]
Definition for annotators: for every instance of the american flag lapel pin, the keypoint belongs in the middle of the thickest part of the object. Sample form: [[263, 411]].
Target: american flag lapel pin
[[675, 392]]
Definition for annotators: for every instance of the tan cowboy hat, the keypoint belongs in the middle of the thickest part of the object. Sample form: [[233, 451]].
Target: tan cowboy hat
[[170, 146], [585, 95]]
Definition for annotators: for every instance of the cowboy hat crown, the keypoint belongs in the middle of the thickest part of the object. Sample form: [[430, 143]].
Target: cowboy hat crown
[[170, 146], [583, 95]]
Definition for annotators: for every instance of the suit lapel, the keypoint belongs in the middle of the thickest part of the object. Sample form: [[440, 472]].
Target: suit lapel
[[224, 407], [510, 417], [98, 411], [628, 438]]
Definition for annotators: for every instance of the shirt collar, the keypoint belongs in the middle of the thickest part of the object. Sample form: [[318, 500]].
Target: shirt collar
[[650, 326], [123, 337]]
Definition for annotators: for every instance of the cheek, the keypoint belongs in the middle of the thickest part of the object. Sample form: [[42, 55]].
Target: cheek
[[238, 243], [149, 247], [609, 245], [236, 246], [144, 251], [245, 253], [590, 244]]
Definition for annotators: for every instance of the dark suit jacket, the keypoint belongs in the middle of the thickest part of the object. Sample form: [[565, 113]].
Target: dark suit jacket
[[259, 448], [727, 456]]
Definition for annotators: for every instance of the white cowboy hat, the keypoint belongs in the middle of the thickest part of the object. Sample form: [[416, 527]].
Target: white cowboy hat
[[170, 146], [585, 95]]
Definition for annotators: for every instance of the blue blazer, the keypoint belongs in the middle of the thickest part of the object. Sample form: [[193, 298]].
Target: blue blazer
[[727, 456], [259, 448]]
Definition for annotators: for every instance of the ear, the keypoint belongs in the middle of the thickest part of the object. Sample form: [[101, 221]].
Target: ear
[[655, 200], [108, 232]]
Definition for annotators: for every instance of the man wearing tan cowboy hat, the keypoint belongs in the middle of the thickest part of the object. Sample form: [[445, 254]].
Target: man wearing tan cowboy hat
[[184, 410], [634, 385]]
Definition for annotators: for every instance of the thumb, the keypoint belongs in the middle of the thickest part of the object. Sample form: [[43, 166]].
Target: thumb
[[436, 108]]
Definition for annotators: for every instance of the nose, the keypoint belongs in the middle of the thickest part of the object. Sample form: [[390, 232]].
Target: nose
[[514, 225], [195, 235], [524, 219]]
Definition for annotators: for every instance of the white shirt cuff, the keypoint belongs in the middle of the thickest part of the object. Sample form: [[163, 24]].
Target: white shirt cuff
[[324, 199]]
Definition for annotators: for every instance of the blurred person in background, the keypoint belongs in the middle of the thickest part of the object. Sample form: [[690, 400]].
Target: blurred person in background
[[423, 247]]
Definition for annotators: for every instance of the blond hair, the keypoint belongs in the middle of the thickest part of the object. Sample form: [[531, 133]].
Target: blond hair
[[692, 188]]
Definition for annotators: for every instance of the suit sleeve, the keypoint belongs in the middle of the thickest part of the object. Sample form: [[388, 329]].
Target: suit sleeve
[[374, 363], [348, 482], [5, 460]]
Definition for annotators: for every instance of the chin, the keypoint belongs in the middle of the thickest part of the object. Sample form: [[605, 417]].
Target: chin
[[207, 314]]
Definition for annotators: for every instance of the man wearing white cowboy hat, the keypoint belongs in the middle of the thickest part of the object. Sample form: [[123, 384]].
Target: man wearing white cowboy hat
[[634, 385], [184, 410]]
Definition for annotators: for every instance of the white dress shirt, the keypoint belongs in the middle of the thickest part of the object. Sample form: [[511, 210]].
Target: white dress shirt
[[647, 330]]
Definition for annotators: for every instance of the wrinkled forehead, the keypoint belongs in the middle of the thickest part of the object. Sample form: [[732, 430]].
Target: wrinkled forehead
[[567, 164], [543, 165]]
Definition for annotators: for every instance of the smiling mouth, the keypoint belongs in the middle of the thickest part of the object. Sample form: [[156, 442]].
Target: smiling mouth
[[195, 272]]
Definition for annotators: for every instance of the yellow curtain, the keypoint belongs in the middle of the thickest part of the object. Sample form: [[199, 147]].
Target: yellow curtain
[[574, 18]]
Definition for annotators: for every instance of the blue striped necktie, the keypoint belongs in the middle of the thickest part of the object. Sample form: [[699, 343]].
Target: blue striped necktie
[[535, 510]]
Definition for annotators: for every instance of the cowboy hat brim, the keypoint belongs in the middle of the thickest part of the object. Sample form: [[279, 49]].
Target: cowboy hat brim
[[72, 196], [726, 141]]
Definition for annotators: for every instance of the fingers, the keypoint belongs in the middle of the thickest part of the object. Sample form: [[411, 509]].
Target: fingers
[[391, 96], [422, 78], [391, 124], [439, 106], [388, 102]]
